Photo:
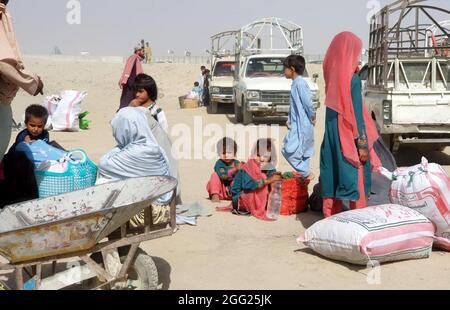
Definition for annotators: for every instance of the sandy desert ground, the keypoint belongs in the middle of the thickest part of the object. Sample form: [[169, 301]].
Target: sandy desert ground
[[225, 251]]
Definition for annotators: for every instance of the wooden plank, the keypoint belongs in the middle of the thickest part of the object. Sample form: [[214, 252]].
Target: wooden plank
[[101, 273], [66, 278], [148, 219], [38, 275], [19, 279], [128, 260], [173, 211]]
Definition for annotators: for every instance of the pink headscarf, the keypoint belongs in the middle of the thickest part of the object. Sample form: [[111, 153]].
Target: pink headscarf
[[340, 64], [255, 202], [133, 59], [9, 48]]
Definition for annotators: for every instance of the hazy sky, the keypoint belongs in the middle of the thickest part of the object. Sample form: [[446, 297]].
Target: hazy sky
[[113, 27]]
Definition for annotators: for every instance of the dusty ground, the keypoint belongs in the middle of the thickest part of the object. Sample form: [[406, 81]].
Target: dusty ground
[[225, 251]]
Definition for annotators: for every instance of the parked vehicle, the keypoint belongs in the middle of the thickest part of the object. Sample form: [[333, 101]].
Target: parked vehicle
[[407, 77], [260, 88]]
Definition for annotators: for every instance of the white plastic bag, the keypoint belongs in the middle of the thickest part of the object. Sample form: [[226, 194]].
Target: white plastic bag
[[65, 118], [51, 104], [376, 234], [426, 189]]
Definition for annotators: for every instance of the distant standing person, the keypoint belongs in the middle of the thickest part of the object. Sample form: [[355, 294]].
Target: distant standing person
[[206, 80], [201, 82], [148, 53], [132, 69], [12, 76]]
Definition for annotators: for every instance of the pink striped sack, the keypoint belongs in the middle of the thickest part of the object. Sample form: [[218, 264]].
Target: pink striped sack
[[426, 189], [65, 118], [377, 234]]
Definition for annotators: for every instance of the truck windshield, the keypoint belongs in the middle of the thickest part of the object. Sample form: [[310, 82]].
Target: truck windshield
[[263, 67], [224, 69]]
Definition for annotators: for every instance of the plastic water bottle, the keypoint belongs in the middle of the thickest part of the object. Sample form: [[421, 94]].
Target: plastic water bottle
[[274, 205]]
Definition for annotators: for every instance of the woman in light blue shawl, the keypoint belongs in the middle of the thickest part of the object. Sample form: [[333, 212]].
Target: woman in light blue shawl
[[137, 153]]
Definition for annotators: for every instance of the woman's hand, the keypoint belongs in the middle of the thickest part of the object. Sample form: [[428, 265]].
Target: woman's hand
[[363, 155], [40, 88]]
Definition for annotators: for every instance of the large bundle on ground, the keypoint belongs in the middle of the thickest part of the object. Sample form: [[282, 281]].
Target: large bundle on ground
[[426, 189], [376, 234]]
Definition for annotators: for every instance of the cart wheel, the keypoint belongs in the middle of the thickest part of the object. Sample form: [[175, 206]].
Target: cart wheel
[[142, 275]]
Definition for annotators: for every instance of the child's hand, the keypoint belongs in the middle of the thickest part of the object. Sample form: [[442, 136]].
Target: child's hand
[[27, 139], [363, 155], [134, 104], [275, 178], [239, 167]]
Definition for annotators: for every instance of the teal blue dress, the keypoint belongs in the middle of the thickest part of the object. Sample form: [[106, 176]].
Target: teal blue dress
[[243, 182], [222, 169], [339, 179]]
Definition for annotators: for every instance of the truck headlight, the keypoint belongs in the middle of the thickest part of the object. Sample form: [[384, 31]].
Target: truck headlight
[[216, 90], [387, 112], [252, 95]]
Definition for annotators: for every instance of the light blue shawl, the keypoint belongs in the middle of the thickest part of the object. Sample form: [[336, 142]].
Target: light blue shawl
[[137, 153]]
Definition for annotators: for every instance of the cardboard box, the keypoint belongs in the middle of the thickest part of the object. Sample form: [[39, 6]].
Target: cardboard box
[[188, 103]]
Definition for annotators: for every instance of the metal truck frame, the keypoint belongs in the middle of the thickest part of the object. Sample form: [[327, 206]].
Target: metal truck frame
[[265, 96], [408, 89], [221, 88]]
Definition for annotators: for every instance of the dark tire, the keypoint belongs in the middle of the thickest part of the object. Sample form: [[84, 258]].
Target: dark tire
[[238, 114], [143, 271], [389, 140], [142, 275], [213, 108], [247, 116]]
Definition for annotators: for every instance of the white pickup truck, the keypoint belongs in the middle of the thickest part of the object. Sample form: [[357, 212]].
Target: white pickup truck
[[261, 88], [407, 81], [221, 85]]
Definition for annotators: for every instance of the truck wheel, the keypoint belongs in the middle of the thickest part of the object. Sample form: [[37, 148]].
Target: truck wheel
[[238, 113], [247, 115], [213, 108]]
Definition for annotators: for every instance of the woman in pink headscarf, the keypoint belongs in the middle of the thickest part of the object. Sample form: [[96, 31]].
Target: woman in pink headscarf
[[12, 75], [347, 156], [132, 69]]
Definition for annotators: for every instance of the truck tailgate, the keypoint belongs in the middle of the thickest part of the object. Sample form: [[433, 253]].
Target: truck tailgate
[[420, 112]]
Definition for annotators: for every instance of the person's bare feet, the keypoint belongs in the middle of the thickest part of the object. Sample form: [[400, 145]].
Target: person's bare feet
[[215, 199]]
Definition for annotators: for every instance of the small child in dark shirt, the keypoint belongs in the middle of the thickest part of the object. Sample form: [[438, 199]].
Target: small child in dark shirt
[[36, 117], [219, 186]]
